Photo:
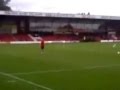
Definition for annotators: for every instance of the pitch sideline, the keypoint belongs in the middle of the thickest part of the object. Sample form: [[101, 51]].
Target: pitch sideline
[[26, 81]]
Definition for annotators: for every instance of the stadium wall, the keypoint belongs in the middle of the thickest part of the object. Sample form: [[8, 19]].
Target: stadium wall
[[102, 41], [37, 42], [50, 42]]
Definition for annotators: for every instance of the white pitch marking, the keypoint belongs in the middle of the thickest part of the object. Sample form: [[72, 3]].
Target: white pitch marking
[[107, 66], [66, 70], [26, 81], [47, 71], [11, 81], [114, 45]]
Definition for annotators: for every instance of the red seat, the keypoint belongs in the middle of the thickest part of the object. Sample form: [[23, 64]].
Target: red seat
[[60, 37], [22, 37], [7, 38]]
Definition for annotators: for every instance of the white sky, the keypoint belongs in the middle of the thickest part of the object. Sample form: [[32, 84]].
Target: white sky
[[95, 7]]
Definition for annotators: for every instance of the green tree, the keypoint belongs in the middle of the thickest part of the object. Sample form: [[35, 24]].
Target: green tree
[[4, 5]]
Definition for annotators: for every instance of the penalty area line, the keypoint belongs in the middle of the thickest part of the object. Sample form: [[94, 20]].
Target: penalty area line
[[26, 81]]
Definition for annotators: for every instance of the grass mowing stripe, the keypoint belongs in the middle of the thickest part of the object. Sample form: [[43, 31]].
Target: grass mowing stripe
[[26, 81]]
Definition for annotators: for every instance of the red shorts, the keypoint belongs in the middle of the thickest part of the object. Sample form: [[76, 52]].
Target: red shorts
[[42, 47]]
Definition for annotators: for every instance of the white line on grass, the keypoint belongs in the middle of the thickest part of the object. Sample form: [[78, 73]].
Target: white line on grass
[[26, 81], [11, 81], [114, 45], [47, 71], [67, 70], [105, 66]]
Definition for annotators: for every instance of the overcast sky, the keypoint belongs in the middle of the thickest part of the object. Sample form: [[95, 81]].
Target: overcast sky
[[95, 7]]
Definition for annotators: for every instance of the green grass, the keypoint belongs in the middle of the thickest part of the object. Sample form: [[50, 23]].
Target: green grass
[[82, 66]]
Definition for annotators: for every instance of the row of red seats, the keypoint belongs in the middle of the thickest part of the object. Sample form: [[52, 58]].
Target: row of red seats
[[22, 38], [60, 37], [25, 37], [15, 38], [7, 38]]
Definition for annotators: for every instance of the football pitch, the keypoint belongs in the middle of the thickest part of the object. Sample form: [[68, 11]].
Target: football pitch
[[78, 66]]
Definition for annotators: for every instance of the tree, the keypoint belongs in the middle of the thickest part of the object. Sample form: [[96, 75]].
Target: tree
[[4, 5]]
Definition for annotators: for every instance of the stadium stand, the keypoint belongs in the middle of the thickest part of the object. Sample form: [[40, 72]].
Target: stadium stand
[[11, 37], [22, 37], [7, 38], [52, 27], [60, 37]]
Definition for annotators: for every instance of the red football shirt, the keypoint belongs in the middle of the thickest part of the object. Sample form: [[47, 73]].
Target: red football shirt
[[42, 43]]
